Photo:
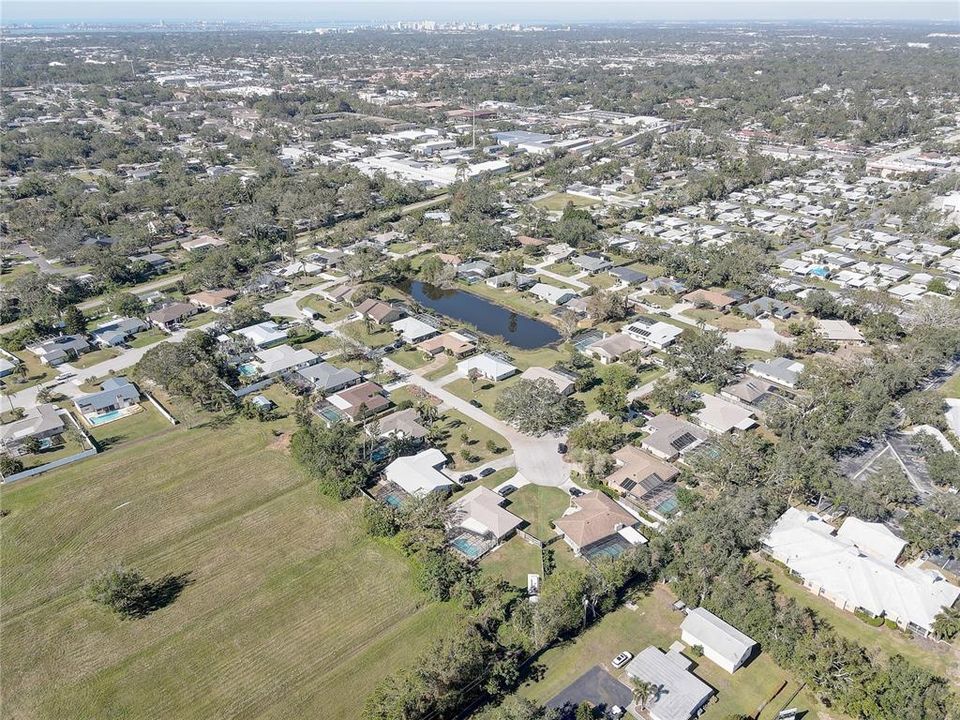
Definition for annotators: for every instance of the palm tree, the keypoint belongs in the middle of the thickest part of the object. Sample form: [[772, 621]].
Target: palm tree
[[946, 625], [643, 692]]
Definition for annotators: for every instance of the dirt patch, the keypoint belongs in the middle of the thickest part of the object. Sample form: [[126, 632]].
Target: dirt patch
[[281, 443]]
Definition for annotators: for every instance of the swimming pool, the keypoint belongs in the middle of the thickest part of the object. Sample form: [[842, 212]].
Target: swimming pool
[[392, 500], [105, 418], [247, 369], [467, 548]]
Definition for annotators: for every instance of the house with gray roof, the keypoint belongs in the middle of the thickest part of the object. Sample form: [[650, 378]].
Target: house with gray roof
[[41, 422], [60, 349], [628, 276], [329, 378], [670, 436], [116, 332], [722, 643], [781, 370], [591, 263], [679, 695], [115, 394], [767, 307]]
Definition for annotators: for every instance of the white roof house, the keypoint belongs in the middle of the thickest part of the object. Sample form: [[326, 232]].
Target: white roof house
[[874, 538], [480, 512], [720, 416], [721, 642], [858, 577], [652, 332], [413, 330], [284, 358], [839, 331], [263, 334], [552, 294], [489, 366], [681, 694], [563, 383], [419, 474]]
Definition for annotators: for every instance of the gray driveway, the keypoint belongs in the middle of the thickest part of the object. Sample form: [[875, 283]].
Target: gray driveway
[[595, 686]]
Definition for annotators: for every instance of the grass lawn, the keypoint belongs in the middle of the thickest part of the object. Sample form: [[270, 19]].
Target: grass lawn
[[651, 271], [939, 658], [37, 372], [70, 446], [485, 392], [446, 368], [563, 268], [521, 302], [601, 281], [147, 337], [320, 345], [560, 200], [378, 336], [951, 388], [456, 423], [201, 319], [329, 312], [727, 321], [289, 609], [410, 358], [402, 247], [94, 358], [660, 301], [513, 561], [654, 622], [146, 423], [538, 505]]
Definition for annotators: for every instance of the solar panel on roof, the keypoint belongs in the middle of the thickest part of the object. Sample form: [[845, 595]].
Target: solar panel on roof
[[679, 443], [628, 484]]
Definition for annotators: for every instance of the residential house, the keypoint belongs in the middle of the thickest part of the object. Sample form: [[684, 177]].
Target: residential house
[[118, 331], [646, 480], [282, 359], [60, 349], [722, 643], [670, 436], [413, 330], [512, 279], [172, 315], [750, 391], [115, 394], [419, 475], [720, 416], [679, 695], [480, 511], [613, 347], [856, 570], [767, 307], [781, 370], [213, 299], [453, 343], [711, 298], [551, 293], [328, 378], [203, 242], [263, 335], [839, 331], [488, 366], [378, 311], [474, 270], [562, 382], [403, 424], [591, 263], [596, 525], [627, 276], [42, 422], [360, 401], [656, 334]]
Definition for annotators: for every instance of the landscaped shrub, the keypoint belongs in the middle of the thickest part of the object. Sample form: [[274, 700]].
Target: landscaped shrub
[[869, 619]]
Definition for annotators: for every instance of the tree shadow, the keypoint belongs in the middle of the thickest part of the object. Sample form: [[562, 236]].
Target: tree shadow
[[162, 592]]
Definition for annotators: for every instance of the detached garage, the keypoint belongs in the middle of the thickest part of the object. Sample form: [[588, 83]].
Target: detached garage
[[721, 642]]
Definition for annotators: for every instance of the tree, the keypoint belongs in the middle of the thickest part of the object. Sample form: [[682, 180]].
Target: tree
[[705, 356], [674, 395], [567, 323], [643, 692], [605, 305], [334, 456], [536, 406], [946, 625], [602, 435], [10, 465], [123, 590], [126, 305], [74, 323]]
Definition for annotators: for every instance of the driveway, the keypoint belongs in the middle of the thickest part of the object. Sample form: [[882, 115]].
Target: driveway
[[536, 458], [287, 305], [597, 687]]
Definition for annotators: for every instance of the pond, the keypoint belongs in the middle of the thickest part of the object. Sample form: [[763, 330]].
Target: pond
[[487, 317]]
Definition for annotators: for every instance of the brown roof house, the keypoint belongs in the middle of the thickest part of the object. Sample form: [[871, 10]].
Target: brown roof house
[[449, 342], [380, 312], [643, 479], [171, 315], [359, 401], [595, 526], [210, 299]]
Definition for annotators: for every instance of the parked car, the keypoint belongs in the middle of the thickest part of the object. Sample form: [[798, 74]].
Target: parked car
[[622, 659], [506, 490], [467, 478], [562, 448], [575, 492], [475, 403], [487, 471]]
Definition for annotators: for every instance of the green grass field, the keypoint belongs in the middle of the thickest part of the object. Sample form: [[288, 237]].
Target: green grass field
[[147, 337], [456, 423], [289, 611], [951, 388], [96, 357], [539, 506], [560, 200]]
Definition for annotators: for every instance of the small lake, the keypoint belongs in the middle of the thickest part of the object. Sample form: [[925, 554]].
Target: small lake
[[486, 316]]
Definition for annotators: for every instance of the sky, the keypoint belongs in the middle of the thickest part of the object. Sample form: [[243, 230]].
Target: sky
[[557, 11]]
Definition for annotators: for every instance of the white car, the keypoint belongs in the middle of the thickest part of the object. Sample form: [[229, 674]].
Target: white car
[[622, 659]]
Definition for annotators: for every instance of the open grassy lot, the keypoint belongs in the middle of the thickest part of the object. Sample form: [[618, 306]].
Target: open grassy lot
[[560, 200], [329, 312], [513, 561], [455, 425], [520, 301], [654, 622], [539, 506], [410, 358], [484, 391], [378, 336], [563, 268], [201, 319], [94, 358], [289, 611], [601, 281], [70, 446], [725, 321], [147, 337], [940, 658], [448, 366], [951, 388]]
